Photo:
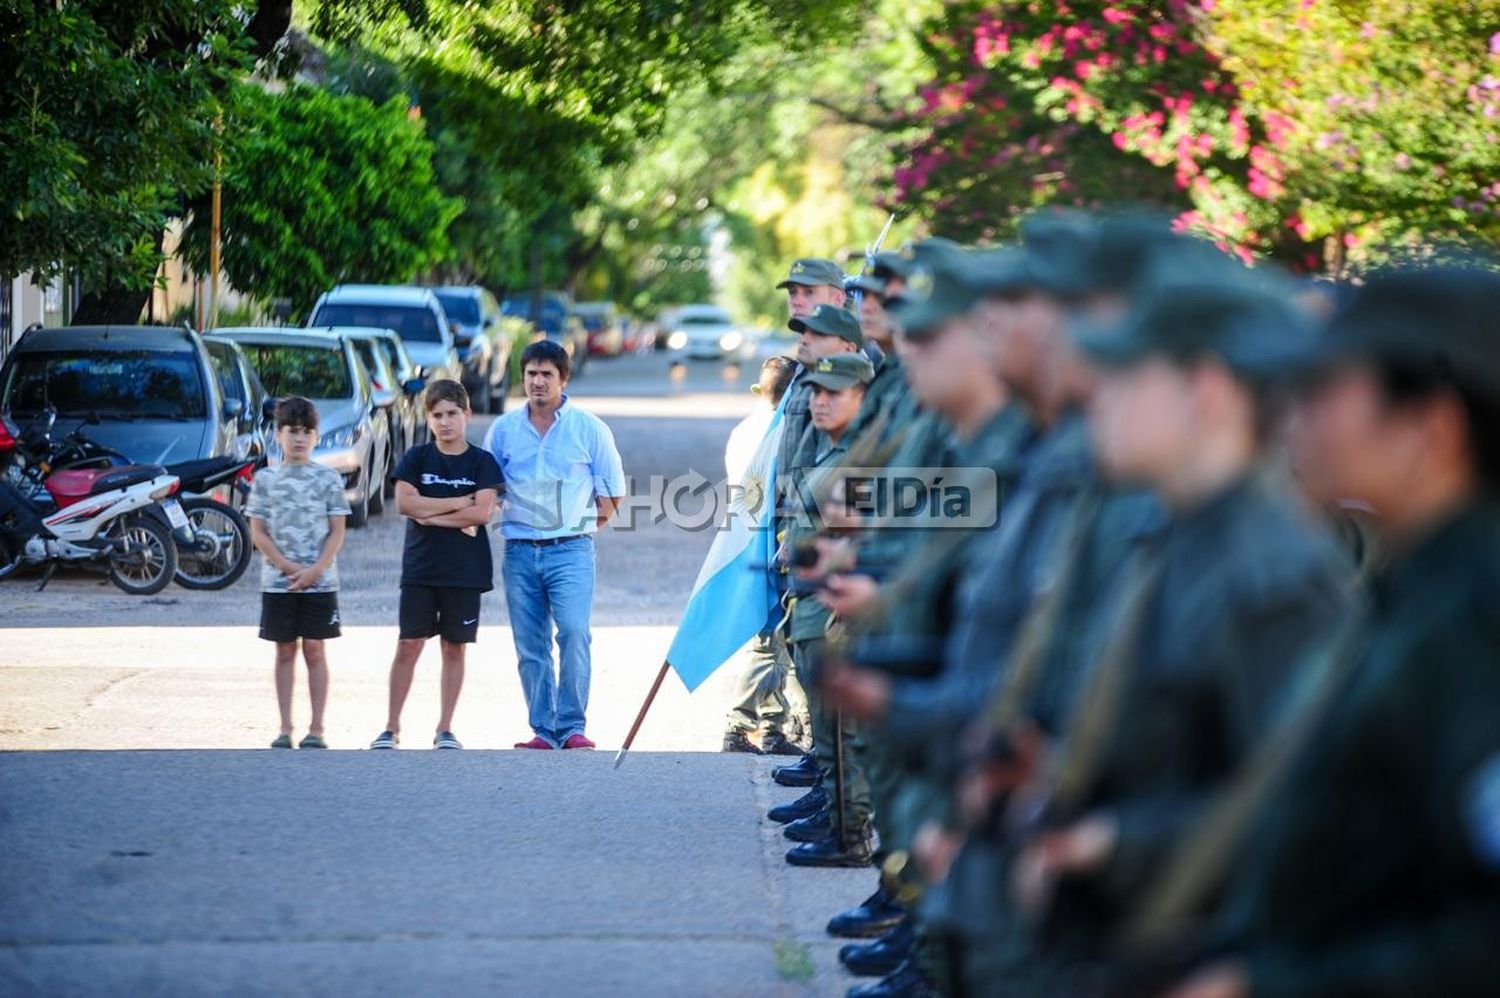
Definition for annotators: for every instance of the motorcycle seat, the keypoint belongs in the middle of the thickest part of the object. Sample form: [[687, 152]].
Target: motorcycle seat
[[70, 486]]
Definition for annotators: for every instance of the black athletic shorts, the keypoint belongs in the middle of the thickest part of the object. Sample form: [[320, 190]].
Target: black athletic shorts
[[451, 613], [289, 616]]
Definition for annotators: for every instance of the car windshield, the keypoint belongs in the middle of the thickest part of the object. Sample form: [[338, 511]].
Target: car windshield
[[460, 306], [293, 369], [111, 384], [413, 322], [706, 319], [553, 316]]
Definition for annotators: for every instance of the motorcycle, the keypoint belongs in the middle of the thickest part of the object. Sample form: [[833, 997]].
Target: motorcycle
[[214, 546], [107, 519]]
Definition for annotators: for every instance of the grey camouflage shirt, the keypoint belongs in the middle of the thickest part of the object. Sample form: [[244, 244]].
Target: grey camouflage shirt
[[295, 502]]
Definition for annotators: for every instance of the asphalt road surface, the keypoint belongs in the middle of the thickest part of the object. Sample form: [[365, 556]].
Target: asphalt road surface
[[226, 868]]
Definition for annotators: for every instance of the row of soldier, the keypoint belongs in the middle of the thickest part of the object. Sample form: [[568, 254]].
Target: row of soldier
[[1211, 706]]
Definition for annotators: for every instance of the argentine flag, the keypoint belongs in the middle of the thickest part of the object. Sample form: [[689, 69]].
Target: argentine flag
[[735, 594]]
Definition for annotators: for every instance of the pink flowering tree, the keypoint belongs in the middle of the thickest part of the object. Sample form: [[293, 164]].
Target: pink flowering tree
[[1282, 127]]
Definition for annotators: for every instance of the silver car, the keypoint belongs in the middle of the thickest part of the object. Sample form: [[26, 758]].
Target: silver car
[[353, 435]]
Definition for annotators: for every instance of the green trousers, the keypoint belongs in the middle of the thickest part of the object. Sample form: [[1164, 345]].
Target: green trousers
[[768, 698], [808, 655]]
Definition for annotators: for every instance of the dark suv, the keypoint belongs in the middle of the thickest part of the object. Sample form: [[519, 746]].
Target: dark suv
[[153, 388], [483, 344]]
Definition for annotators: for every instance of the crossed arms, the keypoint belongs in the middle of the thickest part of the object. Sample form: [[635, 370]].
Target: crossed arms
[[467, 512]]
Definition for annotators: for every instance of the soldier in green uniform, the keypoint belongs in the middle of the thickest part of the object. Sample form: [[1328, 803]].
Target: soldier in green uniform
[[837, 383], [1202, 633], [954, 362], [768, 676], [1369, 853]]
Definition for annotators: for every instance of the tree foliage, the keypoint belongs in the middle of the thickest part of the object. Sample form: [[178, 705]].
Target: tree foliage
[[106, 119], [321, 189], [1273, 124]]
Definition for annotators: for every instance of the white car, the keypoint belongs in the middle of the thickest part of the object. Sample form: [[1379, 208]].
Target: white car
[[707, 332], [413, 313]]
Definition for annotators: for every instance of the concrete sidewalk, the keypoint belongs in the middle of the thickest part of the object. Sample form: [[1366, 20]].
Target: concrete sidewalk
[[333, 873]]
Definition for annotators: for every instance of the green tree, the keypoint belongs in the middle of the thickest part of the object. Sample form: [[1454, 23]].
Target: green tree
[[106, 119], [321, 189]]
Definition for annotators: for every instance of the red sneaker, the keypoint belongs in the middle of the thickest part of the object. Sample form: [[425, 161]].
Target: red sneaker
[[536, 743], [577, 741]]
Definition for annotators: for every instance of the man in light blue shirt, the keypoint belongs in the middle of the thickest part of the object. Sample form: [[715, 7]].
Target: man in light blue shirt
[[563, 482]]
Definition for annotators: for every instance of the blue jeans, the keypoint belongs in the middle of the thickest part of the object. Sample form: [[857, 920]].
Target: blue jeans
[[546, 586]]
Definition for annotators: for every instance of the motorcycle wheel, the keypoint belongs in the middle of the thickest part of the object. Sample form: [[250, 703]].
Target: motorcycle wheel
[[151, 560], [220, 551]]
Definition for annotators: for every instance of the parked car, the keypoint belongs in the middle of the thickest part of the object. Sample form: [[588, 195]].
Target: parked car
[[325, 368], [556, 321], [153, 389], [483, 344], [399, 401], [601, 321], [238, 381], [706, 332], [414, 313]]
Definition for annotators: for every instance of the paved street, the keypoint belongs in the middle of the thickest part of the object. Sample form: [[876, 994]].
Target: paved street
[[495, 872]]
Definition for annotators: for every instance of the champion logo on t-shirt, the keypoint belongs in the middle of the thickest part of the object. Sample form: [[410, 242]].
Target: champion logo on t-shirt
[[430, 479]]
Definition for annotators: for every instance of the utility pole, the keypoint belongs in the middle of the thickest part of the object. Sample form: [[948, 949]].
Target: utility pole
[[211, 313]]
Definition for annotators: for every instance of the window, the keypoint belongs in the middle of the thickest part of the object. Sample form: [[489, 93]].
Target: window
[[461, 306], [293, 369], [227, 370], [413, 322], [134, 384]]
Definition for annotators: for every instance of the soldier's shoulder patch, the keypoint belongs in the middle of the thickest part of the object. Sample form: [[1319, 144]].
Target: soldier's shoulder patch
[[1483, 807]]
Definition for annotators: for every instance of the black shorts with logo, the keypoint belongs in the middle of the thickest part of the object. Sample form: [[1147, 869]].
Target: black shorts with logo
[[430, 610], [289, 616]]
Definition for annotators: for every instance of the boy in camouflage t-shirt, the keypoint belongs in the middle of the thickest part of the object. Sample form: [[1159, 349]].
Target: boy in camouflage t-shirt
[[296, 512]]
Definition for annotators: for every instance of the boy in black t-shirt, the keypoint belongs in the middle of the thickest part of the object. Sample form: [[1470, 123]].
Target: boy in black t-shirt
[[447, 490]]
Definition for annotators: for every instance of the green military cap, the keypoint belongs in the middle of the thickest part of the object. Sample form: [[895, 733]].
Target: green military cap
[[830, 320], [840, 371], [1244, 320], [1068, 254], [813, 272], [900, 263], [935, 292], [1000, 270], [866, 283], [1444, 321]]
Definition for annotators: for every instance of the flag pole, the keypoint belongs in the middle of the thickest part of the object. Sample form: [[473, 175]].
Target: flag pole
[[630, 738]]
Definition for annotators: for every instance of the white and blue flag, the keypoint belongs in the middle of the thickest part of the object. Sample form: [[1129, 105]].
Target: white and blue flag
[[735, 594]]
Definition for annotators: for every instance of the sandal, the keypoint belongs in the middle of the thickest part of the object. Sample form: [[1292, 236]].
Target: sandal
[[312, 741], [282, 741]]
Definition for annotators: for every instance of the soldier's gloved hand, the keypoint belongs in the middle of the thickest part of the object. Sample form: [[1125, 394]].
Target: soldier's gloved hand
[[1226, 979], [848, 595], [862, 693]]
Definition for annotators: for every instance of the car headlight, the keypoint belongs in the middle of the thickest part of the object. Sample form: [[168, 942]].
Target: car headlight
[[344, 436], [677, 340], [730, 341]]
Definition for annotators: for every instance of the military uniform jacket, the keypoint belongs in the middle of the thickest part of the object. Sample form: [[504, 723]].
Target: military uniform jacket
[[1247, 591], [1376, 871], [810, 617], [993, 599], [926, 616]]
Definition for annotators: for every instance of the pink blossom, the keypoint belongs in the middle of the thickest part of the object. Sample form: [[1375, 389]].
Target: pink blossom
[[1115, 15], [1495, 43]]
